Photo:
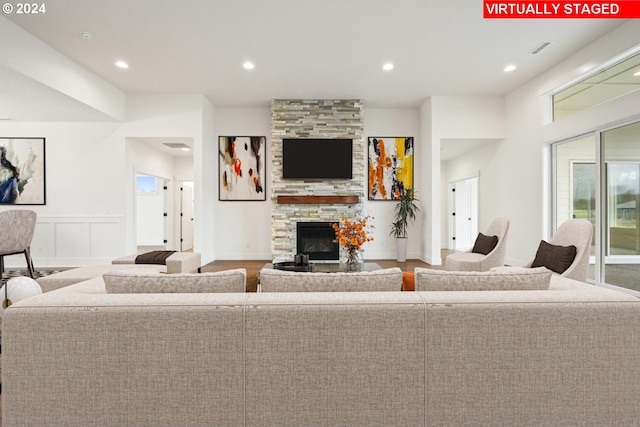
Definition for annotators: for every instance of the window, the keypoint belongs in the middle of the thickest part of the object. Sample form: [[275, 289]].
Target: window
[[146, 184], [612, 82]]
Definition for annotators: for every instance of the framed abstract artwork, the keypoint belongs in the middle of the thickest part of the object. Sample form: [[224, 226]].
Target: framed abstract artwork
[[390, 166], [22, 171], [242, 171]]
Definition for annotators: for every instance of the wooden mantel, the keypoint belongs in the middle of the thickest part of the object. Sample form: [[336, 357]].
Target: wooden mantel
[[345, 199]]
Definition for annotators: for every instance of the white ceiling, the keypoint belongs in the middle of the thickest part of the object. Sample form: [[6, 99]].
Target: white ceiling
[[168, 145], [305, 49], [301, 49]]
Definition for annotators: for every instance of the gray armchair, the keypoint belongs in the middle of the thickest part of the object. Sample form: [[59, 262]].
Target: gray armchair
[[471, 261], [16, 232]]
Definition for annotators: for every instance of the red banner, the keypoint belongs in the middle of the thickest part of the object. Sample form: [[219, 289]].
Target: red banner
[[624, 9]]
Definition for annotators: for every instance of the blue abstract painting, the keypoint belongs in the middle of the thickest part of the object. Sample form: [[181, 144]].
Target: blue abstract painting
[[22, 171]]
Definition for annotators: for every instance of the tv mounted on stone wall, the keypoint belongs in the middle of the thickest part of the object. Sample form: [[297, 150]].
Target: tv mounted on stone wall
[[317, 158]]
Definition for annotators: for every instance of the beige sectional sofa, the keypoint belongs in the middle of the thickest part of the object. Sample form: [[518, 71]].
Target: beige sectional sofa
[[566, 356]]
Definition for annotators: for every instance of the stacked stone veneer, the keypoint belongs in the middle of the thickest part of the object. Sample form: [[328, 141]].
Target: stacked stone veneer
[[312, 119]]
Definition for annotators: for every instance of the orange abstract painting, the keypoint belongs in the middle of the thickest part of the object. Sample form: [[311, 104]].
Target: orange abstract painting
[[390, 166]]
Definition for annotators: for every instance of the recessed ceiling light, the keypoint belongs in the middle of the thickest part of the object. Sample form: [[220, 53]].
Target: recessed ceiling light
[[637, 74], [509, 68], [248, 65], [122, 64], [86, 35], [186, 149], [387, 66]]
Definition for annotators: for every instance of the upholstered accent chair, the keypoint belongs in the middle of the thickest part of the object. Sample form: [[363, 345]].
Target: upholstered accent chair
[[16, 232], [573, 232], [472, 260]]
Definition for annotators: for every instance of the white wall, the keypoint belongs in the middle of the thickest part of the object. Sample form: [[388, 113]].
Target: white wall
[[243, 229], [392, 122], [204, 167], [83, 219], [479, 162], [520, 187], [450, 117], [168, 116], [90, 216]]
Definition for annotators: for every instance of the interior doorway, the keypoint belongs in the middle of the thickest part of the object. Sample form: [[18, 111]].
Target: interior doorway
[[463, 213], [186, 216]]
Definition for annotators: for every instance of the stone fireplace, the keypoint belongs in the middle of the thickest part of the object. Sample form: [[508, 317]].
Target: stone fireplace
[[316, 240], [313, 119]]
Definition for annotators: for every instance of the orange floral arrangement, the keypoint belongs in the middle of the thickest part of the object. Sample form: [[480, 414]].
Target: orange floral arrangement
[[352, 234]]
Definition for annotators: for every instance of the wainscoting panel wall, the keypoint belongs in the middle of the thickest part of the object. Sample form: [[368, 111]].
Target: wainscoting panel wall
[[74, 241], [313, 119]]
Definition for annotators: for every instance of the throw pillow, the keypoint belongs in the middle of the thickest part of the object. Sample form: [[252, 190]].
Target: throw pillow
[[484, 244], [389, 279], [123, 282], [408, 281], [555, 258], [531, 279]]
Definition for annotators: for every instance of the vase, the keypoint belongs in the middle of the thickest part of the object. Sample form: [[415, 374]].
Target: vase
[[352, 258], [401, 249]]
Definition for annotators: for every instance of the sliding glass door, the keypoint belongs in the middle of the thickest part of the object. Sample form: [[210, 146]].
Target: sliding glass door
[[621, 148], [605, 189], [575, 183]]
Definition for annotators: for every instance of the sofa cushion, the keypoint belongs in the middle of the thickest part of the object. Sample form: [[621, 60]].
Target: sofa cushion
[[484, 244], [389, 279], [504, 279], [555, 258], [117, 282]]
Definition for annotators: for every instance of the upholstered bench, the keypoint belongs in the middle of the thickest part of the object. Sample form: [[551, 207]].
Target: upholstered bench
[[80, 274], [178, 262]]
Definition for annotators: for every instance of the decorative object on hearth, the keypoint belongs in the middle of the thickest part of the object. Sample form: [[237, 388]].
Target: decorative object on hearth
[[242, 171], [22, 175], [17, 289], [390, 167], [405, 212], [351, 235]]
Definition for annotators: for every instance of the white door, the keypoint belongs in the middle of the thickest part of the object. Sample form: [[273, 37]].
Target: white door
[[186, 216], [464, 214], [150, 210]]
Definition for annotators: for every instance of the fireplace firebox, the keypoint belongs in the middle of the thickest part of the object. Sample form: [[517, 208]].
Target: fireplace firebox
[[316, 240]]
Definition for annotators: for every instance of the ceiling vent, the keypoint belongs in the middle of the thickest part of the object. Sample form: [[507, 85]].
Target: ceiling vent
[[538, 48], [175, 145]]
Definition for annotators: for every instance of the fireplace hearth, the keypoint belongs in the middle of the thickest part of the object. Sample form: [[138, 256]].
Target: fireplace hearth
[[316, 240]]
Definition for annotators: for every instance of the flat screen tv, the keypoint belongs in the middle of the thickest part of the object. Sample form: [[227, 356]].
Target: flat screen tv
[[318, 158]]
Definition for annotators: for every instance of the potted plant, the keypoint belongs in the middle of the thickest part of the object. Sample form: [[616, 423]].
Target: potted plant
[[405, 212]]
